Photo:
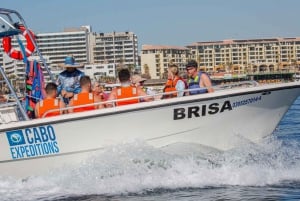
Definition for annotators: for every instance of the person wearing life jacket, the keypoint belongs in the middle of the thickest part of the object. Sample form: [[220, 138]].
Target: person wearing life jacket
[[50, 105], [198, 82], [126, 90], [85, 100], [175, 83]]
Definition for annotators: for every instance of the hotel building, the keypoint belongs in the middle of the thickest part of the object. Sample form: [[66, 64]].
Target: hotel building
[[99, 51], [54, 47], [116, 47], [95, 71], [155, 59], [72, 41], [247, 56]]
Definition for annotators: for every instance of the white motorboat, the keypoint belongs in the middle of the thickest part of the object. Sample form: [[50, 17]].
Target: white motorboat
[[220, 120]]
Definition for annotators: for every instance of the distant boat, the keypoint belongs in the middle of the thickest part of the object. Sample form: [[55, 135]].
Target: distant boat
[[297, 76]]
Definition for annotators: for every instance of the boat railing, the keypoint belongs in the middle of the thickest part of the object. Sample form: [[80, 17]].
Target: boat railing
[[107, 103], [11, 112], [67, 108], [242, 84], [10, 20], [155, 97]]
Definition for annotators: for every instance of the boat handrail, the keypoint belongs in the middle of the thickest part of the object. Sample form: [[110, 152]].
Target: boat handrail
[[107, 102], [156, 97], [72, 107], [250, 83], [11, 20]]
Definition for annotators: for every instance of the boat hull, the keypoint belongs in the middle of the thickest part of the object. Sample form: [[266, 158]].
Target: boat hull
[[220, 120]]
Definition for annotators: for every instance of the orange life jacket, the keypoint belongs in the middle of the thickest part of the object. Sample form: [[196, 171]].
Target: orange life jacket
[[170, 86], [83, 98], [46, 105], [127, 92]]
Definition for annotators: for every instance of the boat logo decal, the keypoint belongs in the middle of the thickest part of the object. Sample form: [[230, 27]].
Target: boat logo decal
[[211, 109], [32, 142], [246, 101]]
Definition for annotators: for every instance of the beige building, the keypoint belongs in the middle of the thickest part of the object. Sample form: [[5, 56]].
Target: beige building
[[155, 59], [115, 47], [247, 56], [100, 52], [72, 41]]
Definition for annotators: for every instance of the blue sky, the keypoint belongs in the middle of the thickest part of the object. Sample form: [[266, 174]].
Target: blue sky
[[166, 22]]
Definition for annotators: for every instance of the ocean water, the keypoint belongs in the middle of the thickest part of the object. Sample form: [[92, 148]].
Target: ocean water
[[138, 172]]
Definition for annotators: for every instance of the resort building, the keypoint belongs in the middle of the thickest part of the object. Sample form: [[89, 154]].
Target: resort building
[[104, 53], [247, 56], [95, 71], [115, 47], [72, 41], [54, 47], [100, 52], [155, 59]]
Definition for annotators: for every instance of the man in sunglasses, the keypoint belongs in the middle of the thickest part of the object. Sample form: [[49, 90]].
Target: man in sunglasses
[[198, 82]]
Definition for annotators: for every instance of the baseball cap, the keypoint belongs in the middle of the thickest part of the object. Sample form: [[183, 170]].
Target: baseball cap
[[192, 63]]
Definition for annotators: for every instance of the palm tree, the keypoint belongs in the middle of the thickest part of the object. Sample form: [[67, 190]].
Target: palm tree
[[147, 72], [199, 59], [165, 74], [120, 64], [131, 68], [294, 64], [108, 79]]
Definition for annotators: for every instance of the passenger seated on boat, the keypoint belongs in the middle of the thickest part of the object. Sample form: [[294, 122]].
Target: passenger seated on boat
[[138, 81], [127, 90], [198, 82], [50, 105], [175, 83], [85, 99], [98, 90], [68, 80]]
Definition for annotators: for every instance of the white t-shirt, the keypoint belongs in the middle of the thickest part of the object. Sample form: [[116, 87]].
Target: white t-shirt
[[180, 87]]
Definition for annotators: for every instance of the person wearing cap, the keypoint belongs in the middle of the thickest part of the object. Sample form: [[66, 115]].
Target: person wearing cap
[[68, 80], [138, 81], [198, 82]]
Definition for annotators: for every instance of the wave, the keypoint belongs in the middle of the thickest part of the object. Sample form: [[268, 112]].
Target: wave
[[139, 168]]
